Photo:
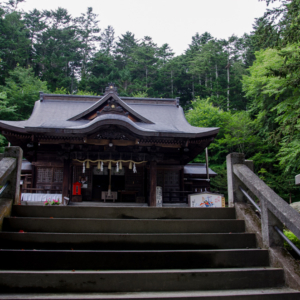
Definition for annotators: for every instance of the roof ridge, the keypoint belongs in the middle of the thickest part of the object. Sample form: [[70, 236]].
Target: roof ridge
[[102, 101]]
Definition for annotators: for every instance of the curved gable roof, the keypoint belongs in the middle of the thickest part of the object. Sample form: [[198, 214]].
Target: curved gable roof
[[102, 101], [64, 115]]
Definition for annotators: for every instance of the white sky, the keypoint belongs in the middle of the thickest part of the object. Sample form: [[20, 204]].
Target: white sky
[[166, 21]]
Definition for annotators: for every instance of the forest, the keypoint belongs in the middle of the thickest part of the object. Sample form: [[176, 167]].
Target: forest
[[248, 86]]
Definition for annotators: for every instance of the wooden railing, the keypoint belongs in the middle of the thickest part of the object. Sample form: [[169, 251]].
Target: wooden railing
[[10, 171], [275, 212]]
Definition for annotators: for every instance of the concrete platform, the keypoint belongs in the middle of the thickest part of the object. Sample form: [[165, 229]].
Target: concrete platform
[[123, 212], [103, 241], [131, 260], [137, 281], [87, 225], [253, 294]]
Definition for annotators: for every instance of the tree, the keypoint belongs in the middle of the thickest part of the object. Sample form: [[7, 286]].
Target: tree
[[107, 44], [14, 42], [58, 51], [11, 5], [35, 22], [88, 30], [124, 49], [101, 70], [198, 41], [237, 134], [279, 26], [144, 61], [233, 47], [21, 90]]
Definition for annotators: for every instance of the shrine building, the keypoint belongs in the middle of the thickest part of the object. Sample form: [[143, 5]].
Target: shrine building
[[111, 148]]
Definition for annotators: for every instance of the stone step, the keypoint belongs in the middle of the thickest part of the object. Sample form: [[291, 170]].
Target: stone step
[[102, 241], [85, 225], [122, 212], [139, 281], [253, 294], [131, 260]]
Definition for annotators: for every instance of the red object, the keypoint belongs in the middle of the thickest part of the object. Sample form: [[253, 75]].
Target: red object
[[77, 188]]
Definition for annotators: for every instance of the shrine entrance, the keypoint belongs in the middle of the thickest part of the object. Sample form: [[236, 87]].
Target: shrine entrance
[[110, 183], [105, 181]]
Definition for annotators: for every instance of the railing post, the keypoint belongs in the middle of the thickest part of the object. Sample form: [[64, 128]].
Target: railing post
[[234, 194], [268, 221], [13, 191]]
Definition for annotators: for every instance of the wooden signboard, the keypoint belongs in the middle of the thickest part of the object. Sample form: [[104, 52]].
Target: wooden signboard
[[206, 199]]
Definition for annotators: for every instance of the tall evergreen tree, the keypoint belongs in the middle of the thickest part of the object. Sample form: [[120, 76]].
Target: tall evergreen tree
[[14, 42], [124, 48], [107, 44], [58, 51], [88, 32]]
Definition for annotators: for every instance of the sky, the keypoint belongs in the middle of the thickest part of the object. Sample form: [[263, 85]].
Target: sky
[[166, 21]]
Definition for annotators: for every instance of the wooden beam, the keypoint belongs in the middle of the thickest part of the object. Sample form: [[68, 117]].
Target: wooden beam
[[66, 179], [47, 164], [106, 142], [153, 182]]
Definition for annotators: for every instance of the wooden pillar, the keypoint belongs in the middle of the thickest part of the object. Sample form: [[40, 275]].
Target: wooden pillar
[[181, 172], [66, 179], [153, 172]]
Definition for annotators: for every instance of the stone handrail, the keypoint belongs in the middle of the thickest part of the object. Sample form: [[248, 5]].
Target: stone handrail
[[10, 171], [274, 210]]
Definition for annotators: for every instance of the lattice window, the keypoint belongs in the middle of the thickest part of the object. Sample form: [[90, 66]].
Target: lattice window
[[160, 178], [44, 175], [135, 181], [171, 178], [49, 179], [58, 175]]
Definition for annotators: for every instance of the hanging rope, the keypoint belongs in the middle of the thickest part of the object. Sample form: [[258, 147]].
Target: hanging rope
[[112, 161], [118, 163]]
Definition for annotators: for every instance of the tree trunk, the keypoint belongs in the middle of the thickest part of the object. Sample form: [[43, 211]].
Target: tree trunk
[[228, 81], [193, 89], [146, 78], [172, 87], [217, 77]]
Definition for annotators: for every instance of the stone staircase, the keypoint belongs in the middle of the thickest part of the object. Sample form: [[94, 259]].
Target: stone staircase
[[72, 252]]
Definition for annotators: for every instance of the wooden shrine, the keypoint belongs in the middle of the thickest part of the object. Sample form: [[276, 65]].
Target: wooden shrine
[[119, 147]]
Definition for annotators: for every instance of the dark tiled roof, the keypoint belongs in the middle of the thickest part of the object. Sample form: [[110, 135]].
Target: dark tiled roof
[[26, 165], [63, 115], [198, 169]]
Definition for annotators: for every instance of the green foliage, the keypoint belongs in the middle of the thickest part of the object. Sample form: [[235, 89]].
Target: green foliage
[[85, 93], [14, 42], [140, 95], [292, 238], [273, 87], [279, 26], [247, 86], [22, 90], [237, 133], [61, 91]]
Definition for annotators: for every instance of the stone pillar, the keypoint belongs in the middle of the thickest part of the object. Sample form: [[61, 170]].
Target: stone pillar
[[13, 191], [268, 221], [153, 182], [234, 194]]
